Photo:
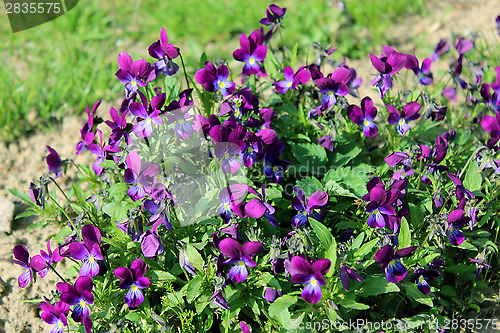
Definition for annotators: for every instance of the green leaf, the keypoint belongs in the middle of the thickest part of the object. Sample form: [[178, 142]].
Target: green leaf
[[365, 249], [281, 303], [116, 210], [412, 292], [352, 304], [194, 257], [344, 153], [293, 56], [133, 317], [324, 235], [271, 65], [467, 246], [159, 275], [377, 285], [473, 178], [311, 158], [22, 196], [309, 185], [404, 234], [331, 255], [358, 241], [193, 288], [348, 181]]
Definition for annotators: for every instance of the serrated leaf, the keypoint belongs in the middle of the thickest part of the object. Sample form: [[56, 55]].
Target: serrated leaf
[[404, 234], [377, 285], [324, 235], [309, 185], [281, 303]]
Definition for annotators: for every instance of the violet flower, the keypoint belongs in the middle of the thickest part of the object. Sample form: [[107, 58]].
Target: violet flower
[[480, 261], [102, 152], [36, 195], [55, 315], [134, 74], [178, 113], [230, 202], [215, 79], [333, 85], [272, 294], [144, 127], [134, 280], [364, 116], [241, 255], [292, 80], [409, 113], [461, 192], [251, 52], [274, 15], [165, 52], [441, 48], [345, 274], [312, 275], [422, 276], [395, 271], [492, 125], [87, 132], [150, 244], [306, 208], [49, 257], [54, 162], [140, 175], [380, 205], [457, 219], [118, 125], [387, 65], [257, 207], [219, 299], [89, 251], [423, 74], [327, 142], [80, 295], [228, 146], [23, 259]]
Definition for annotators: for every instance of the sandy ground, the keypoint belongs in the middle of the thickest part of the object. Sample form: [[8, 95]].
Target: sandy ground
[[24, 161]]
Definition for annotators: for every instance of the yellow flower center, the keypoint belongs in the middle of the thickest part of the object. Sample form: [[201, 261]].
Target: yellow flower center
[[401, 122], [366, 123], [82, 303], [376, 211], [237, 112], [91, 259], [60, 324], [133, 83], [241, 263], [275, 169], [421, 279], [226, 155], [221, 84], [304, 213], [250, 149], [148, 121], [330, 93], [251, 61], [134, 288], [313, 282], [226, 206], [289, 84], [181, 121]]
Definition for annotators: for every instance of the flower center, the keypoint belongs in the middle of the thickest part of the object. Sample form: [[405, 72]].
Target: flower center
[[91, 259], [221, 84], [421, 279], [330, 93], [250, 149], [402, 122], [376, 211], [304, 213], [241, 263], [290, 84], [313, 281], [226, 206], [134, 288], [226, 155], [251, 61], [366, 123], [82, 303], [275, 169], [148, 121], [133, 83], [181, 121], [60, 324]]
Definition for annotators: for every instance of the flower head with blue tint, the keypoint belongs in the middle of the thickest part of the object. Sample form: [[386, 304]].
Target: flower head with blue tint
[[80, 295], [134, 280], [308, 207], [89, 251], [310, 274], [333, 85], [54, 162], [55, 315], [401, 118], [456, 220], [480, 261], [30, 265], [252, 52], [422, 277], [144, 126], [257, 207], [165, 52], [390, 63], [423, 73], [395, 271], [240, 256], [292, 80], [134, 74], [141, 175], [346, 274], [274, 15], [215, 79], [364, 116]]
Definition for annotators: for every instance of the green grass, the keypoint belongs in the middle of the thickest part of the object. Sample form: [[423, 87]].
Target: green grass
[[60, 67]]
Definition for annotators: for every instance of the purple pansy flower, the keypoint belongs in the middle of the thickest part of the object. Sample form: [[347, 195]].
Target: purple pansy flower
[[480, 261], [292, 80], [388, 64], [464, 45], [345, 274], [103, 153], [165, 52], [257, 207], [118, 125], [423, 74], [230, 202], [140, 174], [55, 315], [333, 85], [219, 299], [49, 257], [457, 219], [178, 113], [80, 295], [89, 251], [241, 255], [23, 259], [312, 275], [461, 192], [87, 132], [380, 204], [274, 15], [395, 271], [364, 116], [409, 113], [134, 74], [228, 145], [327, 142], [272, 294], [36, 195], [252, 52], [144, 127], [306, 208], [422, 276], [54, 162], [441, 48], [492, 125], [215, 79], [134, 280]]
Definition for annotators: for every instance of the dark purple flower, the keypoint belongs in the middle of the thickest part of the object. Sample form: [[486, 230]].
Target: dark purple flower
[[333, 85], [215, 79], [140, 175], [49, 257], [464, 45], [54, 162], [241, 255], [230, 202], [220, 300], [36, 195], [102, 152], [144, 127], [251, 52], [461, 192], [308, 207], [257, 207], [165, 52], [274, 15], [134, 74], [345, 274], [150, 244], [228, 146], [134, 280], [423, 74], [327, 142], [380, 205], [178, 113], [441, 48], [492, 125], [457, 219], [23, 259], [364, 116], [409, 113], [89, 251], [312, 275], [272, 294], [395, 271], [388, 64], [80, 295], [87, 132], [492, 100], [118, 125], [55, 315], [422, 276], [292, 80]]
